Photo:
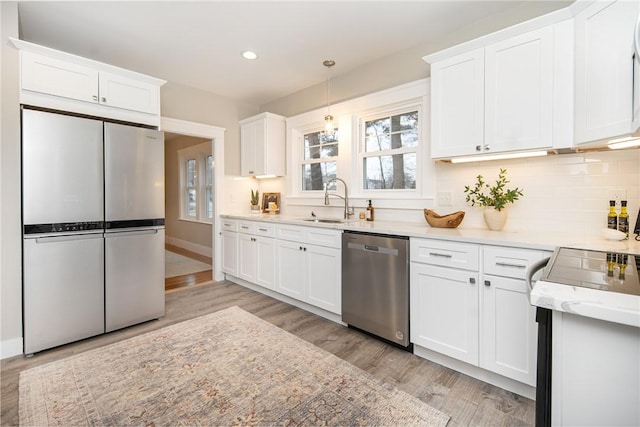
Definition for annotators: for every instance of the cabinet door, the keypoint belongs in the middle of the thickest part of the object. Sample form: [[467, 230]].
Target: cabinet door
[[247, 257], [444, 311], [457, 105], [519, 92], [230, 252], [604, 70], [252, 148], [290, 277], [59, 78], [324, 277], [509, 333], [123, 92], [266, 262]]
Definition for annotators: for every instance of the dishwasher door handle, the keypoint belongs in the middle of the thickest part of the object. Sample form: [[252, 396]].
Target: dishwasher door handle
[[372, 249]]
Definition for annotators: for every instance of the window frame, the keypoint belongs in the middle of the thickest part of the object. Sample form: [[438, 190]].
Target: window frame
[[199, 153]]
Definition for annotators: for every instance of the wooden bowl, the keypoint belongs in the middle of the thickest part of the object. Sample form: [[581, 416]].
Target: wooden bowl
[[451, 220]]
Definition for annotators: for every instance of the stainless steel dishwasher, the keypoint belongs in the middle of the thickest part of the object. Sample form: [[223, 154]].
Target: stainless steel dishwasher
[[375, 285]]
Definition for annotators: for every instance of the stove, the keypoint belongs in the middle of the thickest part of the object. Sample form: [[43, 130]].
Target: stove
[[605, 271]]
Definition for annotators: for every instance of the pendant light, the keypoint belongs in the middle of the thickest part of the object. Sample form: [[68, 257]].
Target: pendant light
[[328, 135]]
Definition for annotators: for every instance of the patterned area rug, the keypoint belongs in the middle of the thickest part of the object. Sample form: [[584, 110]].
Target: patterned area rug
[[179, 265], [225, 368]]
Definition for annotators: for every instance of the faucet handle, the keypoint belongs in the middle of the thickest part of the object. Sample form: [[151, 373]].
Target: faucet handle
[[313, 214], [350, 211]]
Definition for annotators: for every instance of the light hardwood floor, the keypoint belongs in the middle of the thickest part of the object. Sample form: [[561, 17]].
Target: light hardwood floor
[[172, 284], [466, 400]]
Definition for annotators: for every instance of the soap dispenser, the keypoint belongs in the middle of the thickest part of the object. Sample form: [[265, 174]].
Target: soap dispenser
[[370, 212]]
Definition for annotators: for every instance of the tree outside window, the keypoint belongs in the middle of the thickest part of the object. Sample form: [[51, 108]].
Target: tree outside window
[[389, 156], [320, 161]]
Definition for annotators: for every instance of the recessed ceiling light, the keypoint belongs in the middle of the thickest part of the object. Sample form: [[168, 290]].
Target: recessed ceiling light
[[247, 54]]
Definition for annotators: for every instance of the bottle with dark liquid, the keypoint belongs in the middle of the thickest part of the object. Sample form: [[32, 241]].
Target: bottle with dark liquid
[[612, 217], [623, 219]]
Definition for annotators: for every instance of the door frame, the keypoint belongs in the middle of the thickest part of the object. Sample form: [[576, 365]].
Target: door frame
[[216, 134]]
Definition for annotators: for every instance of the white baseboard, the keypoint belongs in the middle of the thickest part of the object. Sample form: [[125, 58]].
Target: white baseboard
[[193, 247], [10, 348]]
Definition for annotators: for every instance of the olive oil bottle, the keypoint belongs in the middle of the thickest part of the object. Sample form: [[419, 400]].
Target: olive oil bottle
[[623, 219], [612, 217]]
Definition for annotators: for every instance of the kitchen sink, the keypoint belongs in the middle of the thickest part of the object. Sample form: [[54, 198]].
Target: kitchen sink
[[325, 221]]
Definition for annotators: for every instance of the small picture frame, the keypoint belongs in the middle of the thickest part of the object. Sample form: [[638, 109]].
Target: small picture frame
[[268, 198]]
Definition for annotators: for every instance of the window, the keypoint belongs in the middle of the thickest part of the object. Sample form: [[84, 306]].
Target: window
[[196, 182], [320, 161], [390, 152]]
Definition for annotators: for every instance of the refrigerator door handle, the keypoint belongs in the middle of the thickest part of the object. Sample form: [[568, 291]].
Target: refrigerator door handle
[[131, 232], [67, 238]]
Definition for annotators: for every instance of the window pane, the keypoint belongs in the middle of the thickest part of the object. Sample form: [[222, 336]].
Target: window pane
[[191, 202], [191, 172], [316, 174], [209, 202], [208, 169], [392, 132], [390, 172], [316, 148]]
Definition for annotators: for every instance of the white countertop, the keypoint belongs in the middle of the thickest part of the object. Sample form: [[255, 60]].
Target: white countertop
[[534, 239]]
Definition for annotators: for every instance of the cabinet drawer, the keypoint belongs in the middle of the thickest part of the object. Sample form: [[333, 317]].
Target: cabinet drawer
[[247, 227], [447, 254], [324, 237], [293, 233], [264, 229], [509, 262], [229, 224]]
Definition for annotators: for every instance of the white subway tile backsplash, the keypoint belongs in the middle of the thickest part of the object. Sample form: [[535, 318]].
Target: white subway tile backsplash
[[560, 192]]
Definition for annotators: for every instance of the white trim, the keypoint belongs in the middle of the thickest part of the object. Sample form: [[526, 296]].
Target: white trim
[[190, 246], [10, 348], [216, 134], [199, 153]]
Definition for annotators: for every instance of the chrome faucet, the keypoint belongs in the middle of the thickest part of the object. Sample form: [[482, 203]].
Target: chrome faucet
[[347, 210]]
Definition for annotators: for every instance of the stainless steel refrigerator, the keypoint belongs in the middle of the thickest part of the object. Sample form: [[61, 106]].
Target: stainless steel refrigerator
[[93, 227]]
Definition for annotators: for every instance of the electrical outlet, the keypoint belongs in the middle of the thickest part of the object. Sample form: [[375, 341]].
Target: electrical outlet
[[617, 195], [445, 198]]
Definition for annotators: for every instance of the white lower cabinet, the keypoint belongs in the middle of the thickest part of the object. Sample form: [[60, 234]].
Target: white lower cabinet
[[475, 312], [310, 272], [444, 311], [256, 253], [229, 252]]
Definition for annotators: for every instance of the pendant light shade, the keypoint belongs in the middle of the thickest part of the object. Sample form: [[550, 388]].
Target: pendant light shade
[[329, 133]]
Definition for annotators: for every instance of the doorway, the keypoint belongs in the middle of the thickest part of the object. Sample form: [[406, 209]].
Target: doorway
[[194, 165]]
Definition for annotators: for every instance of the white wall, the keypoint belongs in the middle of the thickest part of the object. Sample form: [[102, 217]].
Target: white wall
[[10, 221]]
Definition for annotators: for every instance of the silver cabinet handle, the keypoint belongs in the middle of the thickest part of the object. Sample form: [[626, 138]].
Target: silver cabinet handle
[[508, 264], [440, 254], [244, 227], [226, 224], [263, 229], [487, 283], [95, 97], [487, 148], [103, 99], [472, 280]]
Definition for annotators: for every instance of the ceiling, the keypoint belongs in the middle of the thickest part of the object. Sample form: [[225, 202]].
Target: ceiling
[[199, 44]]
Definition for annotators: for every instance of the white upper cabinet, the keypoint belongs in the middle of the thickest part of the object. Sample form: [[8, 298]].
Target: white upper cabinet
[[56, 77], [604, 70], [262, 145], [519, 92], [495, 99], [457, 99], [58, 80]]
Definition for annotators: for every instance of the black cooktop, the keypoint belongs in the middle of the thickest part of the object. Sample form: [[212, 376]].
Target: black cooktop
[[606, 271]]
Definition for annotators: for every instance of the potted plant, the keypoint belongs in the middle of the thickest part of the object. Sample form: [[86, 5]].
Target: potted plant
[[493, 199], [255, 201]]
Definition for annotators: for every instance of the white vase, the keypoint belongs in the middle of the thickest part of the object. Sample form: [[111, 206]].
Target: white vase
[[495, 219]]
